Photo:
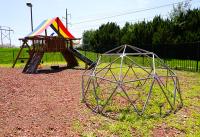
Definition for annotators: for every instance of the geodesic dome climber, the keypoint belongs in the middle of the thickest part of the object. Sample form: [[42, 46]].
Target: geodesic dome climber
[[129, 79]]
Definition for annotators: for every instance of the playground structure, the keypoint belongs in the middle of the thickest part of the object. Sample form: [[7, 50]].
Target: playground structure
[[124, 85], [41, 44]]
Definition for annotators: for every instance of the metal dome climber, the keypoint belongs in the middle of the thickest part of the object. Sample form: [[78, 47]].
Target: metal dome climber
[[129, 79]]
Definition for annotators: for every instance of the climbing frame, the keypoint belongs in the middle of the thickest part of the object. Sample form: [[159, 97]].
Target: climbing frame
[[45, 44]]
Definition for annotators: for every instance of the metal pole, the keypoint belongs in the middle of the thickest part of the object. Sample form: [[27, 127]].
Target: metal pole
[[1, 38], [198, 52], [66, 19], [9, 37], [31, 19], [30, 6]]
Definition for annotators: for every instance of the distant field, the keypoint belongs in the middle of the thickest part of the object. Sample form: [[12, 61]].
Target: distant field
[[7, 55]]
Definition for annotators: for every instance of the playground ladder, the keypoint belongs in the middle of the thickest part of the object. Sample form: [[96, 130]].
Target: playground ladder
[[33, 62]]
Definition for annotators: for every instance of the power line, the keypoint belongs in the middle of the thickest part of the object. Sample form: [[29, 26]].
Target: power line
[[5, 34], [127, 13], [118, 22]]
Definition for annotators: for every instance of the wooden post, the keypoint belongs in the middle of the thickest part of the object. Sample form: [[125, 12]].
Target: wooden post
[[45, 32], [24, 45], [19, 54]]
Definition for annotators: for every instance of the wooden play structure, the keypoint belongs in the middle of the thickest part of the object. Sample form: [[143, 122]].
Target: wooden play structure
[[41, 44]]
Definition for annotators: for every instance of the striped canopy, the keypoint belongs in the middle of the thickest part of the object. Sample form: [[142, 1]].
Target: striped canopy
[[55, 24]]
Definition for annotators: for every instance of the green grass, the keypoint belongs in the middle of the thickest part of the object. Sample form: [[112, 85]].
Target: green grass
[[7, 56], [186, 122]]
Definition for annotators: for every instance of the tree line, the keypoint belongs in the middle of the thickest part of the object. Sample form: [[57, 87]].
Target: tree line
[[182, 26]]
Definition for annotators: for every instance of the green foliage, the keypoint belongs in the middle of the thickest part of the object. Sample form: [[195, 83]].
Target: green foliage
[[103, 39], [89, 39], [107, 37], [181, 27]]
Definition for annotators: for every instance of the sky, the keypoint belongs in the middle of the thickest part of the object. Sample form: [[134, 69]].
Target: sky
[[82, 13]]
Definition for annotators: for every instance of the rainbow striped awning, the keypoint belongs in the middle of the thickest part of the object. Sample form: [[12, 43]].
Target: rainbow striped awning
[[55, 24]]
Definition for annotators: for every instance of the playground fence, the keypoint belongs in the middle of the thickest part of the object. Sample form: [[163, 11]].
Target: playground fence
[[184, 56], [180, 56]]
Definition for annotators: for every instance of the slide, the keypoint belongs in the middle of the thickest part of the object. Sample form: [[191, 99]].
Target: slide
[[70, 58], [33, 62], [82, 57]]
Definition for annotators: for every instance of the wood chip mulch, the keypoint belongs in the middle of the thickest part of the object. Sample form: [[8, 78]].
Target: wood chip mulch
[[44, 104]]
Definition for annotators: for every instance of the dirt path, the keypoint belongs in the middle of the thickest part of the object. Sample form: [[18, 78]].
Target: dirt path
[[39, 104]]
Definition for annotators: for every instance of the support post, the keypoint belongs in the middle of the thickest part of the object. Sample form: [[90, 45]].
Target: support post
[[23, 46], [66, 19], [18, 55]]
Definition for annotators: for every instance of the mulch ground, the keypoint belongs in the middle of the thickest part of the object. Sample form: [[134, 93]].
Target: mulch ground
[[44, 104], [47, 104]]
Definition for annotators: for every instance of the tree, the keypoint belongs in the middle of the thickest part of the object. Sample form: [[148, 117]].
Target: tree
[[182, 27], [179, 10], [108, 37], [89, 40], [127, 34]]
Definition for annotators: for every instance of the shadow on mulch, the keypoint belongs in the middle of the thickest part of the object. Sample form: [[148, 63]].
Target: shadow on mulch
[[56, 69]]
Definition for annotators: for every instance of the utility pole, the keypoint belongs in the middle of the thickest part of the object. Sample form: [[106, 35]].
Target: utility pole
[[1, 36], [5, 34], [66, 19]]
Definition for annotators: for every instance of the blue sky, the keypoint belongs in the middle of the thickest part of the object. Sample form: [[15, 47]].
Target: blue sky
[[15, 13]]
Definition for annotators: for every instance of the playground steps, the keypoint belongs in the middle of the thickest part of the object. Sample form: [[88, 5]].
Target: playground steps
[[82, 57], [33, 62], [70, 58]]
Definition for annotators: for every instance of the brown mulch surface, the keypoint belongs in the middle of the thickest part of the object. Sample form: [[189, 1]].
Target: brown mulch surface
[[164, 131], [39, 104]]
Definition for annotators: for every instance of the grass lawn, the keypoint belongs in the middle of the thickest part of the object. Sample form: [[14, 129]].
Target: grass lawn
[[186, 122], [7, 55]]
